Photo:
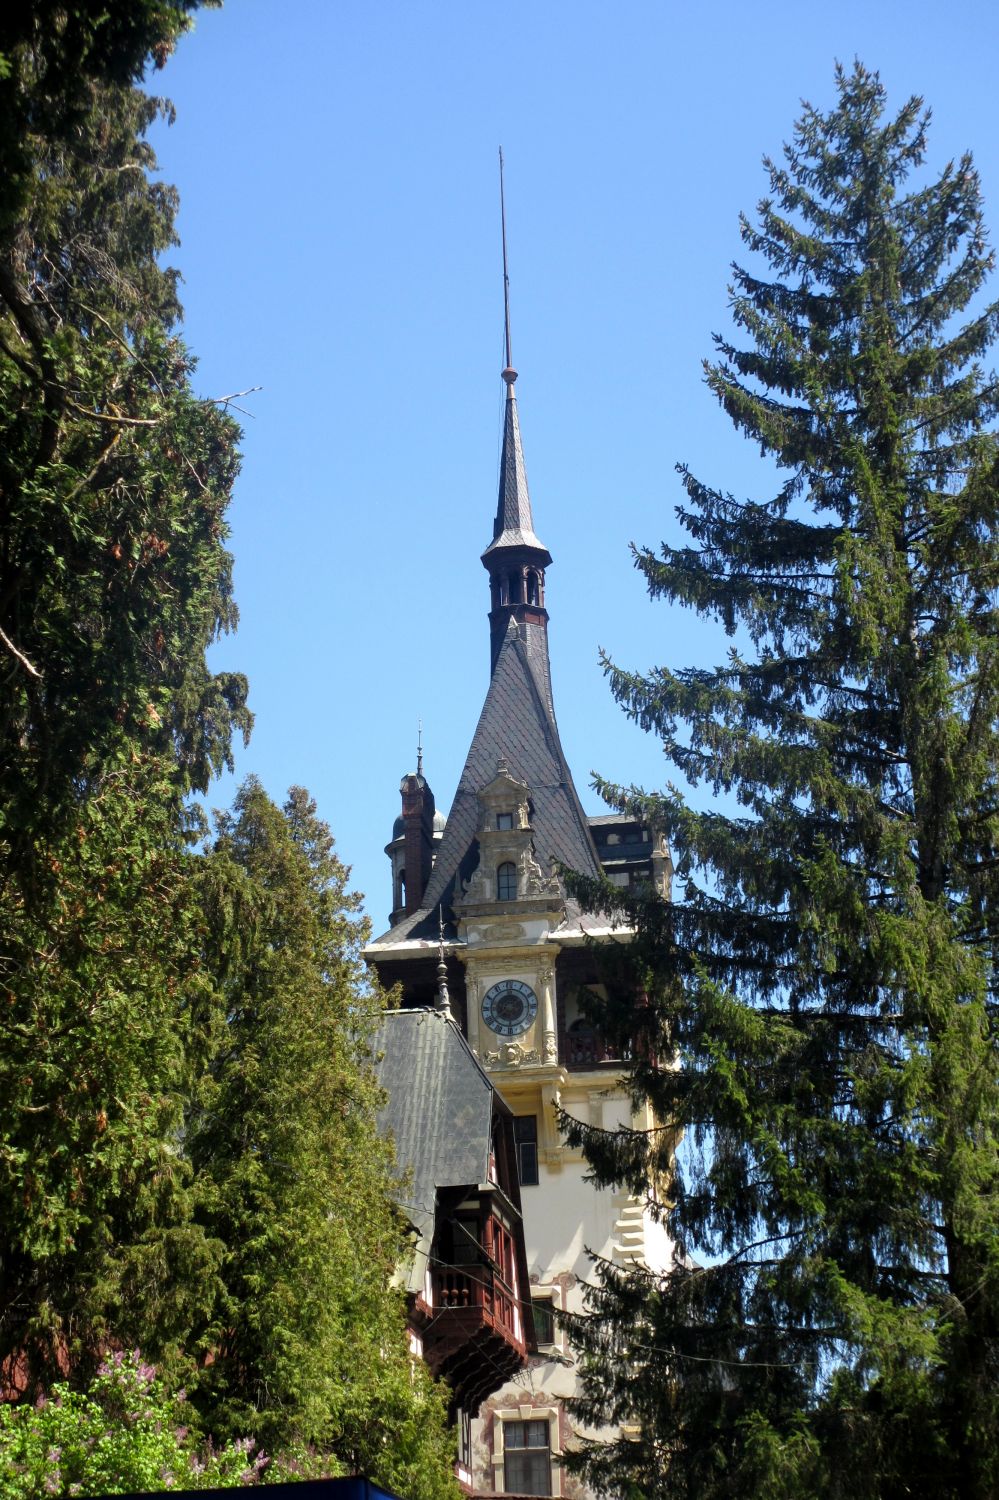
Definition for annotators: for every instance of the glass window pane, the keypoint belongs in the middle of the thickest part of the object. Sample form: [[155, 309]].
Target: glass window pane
[[527, 1465], [506, 882], [544, 1320], [525, 1133]]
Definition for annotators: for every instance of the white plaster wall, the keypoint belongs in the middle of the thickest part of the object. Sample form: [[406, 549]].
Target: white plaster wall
[[563, 1215]]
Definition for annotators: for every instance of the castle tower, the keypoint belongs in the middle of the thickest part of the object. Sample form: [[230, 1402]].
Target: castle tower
[[495, 936], [516, 953]]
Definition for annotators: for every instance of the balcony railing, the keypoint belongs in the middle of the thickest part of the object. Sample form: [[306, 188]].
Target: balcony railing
[[586, 1047], [480, 1287]]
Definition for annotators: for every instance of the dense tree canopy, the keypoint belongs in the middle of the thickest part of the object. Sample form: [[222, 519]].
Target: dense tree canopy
[[114, 578], [52, 54], [826, 974], [188, 1156], [307, 1340]]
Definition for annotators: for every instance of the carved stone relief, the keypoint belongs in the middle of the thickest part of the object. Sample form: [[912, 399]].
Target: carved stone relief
[[511, 1055]]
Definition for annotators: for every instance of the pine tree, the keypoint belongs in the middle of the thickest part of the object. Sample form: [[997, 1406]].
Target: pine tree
[[824, 978], [305, 1346]]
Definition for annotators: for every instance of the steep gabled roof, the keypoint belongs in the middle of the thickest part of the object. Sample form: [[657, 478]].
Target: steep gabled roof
[[439, 1107], [517, 724]]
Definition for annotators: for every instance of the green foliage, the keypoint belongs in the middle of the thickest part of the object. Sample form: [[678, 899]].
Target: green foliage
[[52, 55], [826, 978], [122, 1435], [103, 1017], [114, 482], [114, 578], [307, 1338], [188, 1155]]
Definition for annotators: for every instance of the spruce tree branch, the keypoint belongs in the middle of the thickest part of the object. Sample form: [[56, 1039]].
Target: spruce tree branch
[[114, 418], [18, 654], [102, 459]]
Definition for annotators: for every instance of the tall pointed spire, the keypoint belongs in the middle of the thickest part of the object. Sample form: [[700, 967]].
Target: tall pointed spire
[[516, 557], [517, 725]]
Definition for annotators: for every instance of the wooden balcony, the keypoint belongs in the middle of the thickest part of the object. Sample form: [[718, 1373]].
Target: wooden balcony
[[473, 1337], [585, 1048]]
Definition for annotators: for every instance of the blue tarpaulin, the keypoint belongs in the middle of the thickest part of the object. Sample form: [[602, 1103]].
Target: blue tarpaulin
[[306, 1489]]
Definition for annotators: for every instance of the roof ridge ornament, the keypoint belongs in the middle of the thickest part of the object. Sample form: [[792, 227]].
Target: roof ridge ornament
[[442, 1002]]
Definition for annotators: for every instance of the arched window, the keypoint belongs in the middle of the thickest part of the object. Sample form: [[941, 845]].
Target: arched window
[[533, 596], [506, 882]]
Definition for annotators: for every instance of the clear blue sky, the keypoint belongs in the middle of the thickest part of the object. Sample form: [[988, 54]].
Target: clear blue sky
[[336, 161]]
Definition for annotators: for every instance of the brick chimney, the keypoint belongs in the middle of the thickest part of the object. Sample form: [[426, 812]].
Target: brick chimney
[[418, 810]]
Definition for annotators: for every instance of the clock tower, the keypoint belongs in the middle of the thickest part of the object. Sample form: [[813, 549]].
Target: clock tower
[[494, 922]]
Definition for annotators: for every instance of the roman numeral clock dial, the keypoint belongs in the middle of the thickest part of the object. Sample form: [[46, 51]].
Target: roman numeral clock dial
[[509, 1007]]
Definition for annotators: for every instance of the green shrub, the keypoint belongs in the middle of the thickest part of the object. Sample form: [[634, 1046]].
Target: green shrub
[[126, 1433]]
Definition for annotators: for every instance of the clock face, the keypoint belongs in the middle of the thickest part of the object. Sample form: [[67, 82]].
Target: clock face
[[509, 1007]]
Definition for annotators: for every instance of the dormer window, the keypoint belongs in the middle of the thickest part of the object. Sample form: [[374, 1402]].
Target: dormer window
[[506, 881], [504, 821]]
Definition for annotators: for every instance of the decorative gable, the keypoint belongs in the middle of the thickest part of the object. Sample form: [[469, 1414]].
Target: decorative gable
[[508, 871]]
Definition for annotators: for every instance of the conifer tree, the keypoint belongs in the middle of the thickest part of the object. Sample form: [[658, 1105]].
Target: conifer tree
[[825, 976], [305, 1344], [114, 579]]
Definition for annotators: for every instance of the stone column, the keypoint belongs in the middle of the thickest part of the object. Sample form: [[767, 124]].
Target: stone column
[[549, 1041], [472, 988]]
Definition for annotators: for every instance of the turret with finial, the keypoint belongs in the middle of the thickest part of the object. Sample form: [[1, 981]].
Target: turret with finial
[[516, 558]]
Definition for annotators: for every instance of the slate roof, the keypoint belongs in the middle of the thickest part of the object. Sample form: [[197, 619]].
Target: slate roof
[[514, 524], [517, 723], [439, 1109]]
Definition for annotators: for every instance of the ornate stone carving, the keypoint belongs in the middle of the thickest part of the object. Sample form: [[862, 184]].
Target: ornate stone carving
[[536, 882], [511, 1055], [475, 889]]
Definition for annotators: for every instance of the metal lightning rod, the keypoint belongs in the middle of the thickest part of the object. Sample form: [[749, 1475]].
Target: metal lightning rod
[[506, 276]]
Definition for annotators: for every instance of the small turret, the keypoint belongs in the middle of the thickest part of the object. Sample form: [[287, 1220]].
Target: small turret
[[415, 836]]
